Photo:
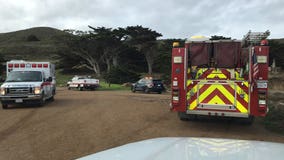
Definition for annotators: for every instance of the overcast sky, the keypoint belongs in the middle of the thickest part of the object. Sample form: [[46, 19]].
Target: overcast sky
[[171, 18]]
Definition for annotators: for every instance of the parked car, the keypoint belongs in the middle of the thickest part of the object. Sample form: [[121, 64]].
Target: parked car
[[83, 82], [148, 85]]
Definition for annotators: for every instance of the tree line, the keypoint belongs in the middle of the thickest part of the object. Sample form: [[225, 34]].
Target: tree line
[[118, 55]]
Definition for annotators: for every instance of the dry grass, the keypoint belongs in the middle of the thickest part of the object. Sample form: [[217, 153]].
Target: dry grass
[[276, 81], [275, 118]]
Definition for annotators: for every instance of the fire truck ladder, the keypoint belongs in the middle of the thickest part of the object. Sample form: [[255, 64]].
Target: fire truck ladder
[[253, 38]]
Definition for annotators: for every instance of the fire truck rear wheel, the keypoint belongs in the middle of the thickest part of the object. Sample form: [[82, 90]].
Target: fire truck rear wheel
[[4, 106], [247, 121], [186, 117]]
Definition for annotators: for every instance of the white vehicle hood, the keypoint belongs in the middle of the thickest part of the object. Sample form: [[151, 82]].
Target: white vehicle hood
[[21, 84], [193, 149]]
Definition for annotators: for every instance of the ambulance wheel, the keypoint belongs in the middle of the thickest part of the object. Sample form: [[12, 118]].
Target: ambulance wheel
[[4, 106], [80, 88], [52, 98], [186, 117], [42, 100]]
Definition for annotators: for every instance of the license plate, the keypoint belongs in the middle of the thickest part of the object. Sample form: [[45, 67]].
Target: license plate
[[19, 100]]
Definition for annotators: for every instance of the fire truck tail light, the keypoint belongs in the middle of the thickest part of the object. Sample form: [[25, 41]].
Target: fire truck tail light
[[22, 65], [263, 102], [39, 65], [33, 65], [261, 84], [175, 83], [177, 59], [175, 94], [262, 98], [175, 98]]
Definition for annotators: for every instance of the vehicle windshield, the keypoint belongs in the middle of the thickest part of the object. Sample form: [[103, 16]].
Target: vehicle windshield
[[24, 76], [157, 81]]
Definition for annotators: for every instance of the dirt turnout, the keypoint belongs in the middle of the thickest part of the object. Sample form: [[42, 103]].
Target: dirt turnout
[[81, 123]]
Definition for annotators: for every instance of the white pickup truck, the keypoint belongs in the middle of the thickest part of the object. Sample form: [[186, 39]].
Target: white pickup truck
[[83, 82]]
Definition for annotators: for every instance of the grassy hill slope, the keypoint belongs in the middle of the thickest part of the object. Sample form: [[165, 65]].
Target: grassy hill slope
[[16, 45]]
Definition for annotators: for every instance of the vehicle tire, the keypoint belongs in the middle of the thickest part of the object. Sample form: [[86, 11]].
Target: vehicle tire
[[133, 89], [186, 117], [42, 100], [69, 88], [160, 92], [147, 90], [247, 121], [4, 106], [80, 88], [52, 98]]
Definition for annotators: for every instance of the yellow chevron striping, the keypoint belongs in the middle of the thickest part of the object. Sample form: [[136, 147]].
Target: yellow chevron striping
[[188, 82], [193, 105], [217, 73], [221, 88], [241, 91], [216, 100], [246, 83], [241, 108], [194, 90]]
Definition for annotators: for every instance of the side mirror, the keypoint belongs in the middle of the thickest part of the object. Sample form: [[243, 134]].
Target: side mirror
[[49, 79]]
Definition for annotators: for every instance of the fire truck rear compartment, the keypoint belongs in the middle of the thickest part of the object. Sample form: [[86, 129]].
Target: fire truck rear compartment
[[217, 99]]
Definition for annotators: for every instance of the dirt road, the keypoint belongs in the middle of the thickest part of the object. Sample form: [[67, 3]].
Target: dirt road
[[81, 123]]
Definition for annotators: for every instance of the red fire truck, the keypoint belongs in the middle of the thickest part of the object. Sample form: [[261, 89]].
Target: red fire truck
[[226, 78]]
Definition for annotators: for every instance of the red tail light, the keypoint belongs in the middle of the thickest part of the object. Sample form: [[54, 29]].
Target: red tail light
[[10, 65]]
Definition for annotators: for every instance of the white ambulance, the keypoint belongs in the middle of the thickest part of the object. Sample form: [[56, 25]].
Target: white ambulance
[[28, 82]]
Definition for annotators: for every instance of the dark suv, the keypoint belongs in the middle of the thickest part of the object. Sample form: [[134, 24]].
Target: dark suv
[[148, 85]]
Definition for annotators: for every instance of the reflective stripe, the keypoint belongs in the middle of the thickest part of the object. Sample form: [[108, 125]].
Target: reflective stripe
[[217, 74], [216, 100], [216, 93]]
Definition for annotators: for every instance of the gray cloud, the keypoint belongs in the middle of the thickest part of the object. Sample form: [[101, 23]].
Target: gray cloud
[[174, 19]]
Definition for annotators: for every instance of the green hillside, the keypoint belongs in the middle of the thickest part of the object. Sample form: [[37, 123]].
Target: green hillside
[[45, 43], [279, 40]]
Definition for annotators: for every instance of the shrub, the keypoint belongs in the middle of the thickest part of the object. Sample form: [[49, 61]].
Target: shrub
[[32, 38], [119, 75]]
